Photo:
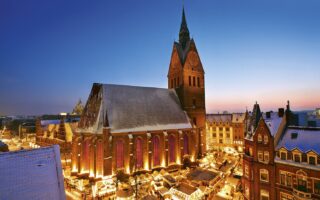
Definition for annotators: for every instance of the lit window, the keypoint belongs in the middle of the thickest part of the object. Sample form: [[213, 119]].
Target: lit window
[[264, 195], [260, 156], [266, 139], [259, 138], [250, 151], [282, 178], [266, 156], [246, 171], [289, 180], [264, 175]]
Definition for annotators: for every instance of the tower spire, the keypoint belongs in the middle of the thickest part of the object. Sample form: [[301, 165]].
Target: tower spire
[[184, 35]]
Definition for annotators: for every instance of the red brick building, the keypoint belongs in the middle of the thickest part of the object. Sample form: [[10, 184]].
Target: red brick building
[[140, 128], [281, 159]]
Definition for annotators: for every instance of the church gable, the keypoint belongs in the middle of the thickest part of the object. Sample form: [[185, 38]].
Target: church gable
[[192, 61], [175, 62]]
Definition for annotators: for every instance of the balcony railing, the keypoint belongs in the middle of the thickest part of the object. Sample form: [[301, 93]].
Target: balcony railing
[[301, 192]]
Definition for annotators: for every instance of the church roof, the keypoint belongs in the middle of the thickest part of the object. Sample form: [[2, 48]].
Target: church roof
[[132, 109]]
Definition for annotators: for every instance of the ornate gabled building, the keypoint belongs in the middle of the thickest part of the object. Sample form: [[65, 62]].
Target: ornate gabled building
[[281, 159], [134, 128]]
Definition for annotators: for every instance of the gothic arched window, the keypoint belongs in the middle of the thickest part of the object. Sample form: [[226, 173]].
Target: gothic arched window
[[120, 155], [185, 144], [139, 153], [172, 149], [156, 149]]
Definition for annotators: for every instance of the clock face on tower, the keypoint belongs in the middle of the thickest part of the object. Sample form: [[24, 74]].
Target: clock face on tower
[[193, 59]]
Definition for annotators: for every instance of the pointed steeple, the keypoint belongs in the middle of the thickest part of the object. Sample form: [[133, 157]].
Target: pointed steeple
[[184, 35]]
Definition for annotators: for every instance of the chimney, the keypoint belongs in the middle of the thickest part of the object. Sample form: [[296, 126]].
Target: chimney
[[280, 112], [268, 115]]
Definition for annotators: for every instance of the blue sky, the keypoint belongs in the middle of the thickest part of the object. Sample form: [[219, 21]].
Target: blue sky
[[52, 51]]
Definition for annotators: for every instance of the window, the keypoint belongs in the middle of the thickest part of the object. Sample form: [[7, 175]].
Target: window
[[264, 175], [172, 149], [220, 129], [302, 184], [220, 134], [282, 178], [264, 195], [266, 156], [156, 151], [289, 180], [250, 151], [194, 81], [120, 154], [316, 186], [297, 157], [283, 155], [259, 138], [228, 135], [265, 139], [260, 156], [220, 141], [198, 81], [189, 80], [227, 129], [214, 134], [139, 153], [246, 171], [312, 160], [185, 144]]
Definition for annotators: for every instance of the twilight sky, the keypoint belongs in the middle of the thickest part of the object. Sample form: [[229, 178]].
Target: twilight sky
[[52, 51]]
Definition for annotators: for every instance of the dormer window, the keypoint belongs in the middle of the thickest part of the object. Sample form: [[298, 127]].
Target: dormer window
[[266, 139], [283, 155], [312, 158], [297, 157], [259, 138]]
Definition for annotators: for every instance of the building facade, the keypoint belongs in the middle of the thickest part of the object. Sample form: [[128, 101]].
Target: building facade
[[281, 158], [57, 131], [136, 129], [225, 130]]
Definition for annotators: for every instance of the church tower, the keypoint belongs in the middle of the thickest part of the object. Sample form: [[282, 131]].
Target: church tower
[[186, 76]]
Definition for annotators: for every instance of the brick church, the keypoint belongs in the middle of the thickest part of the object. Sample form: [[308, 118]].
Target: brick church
[[135, 129]]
